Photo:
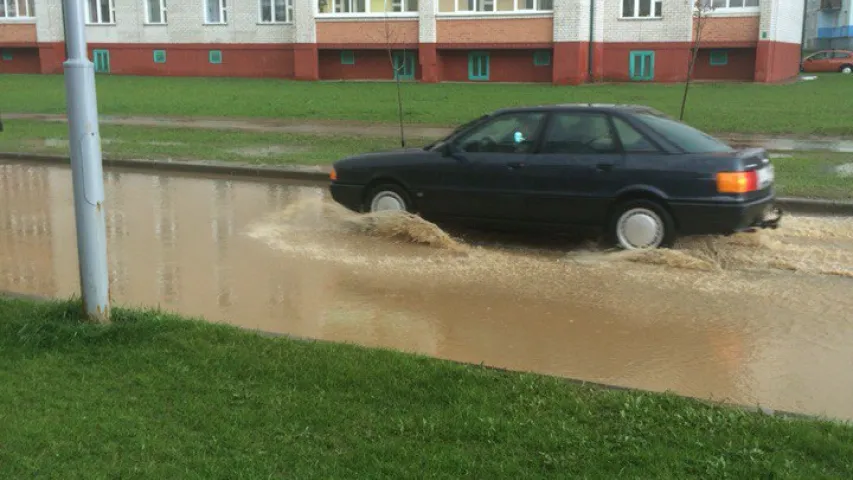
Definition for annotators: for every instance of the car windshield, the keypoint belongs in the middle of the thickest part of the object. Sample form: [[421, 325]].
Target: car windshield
[[682, 135]]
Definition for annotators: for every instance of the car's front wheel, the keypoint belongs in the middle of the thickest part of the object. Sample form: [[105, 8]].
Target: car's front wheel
[[388, 197], [641, 224]]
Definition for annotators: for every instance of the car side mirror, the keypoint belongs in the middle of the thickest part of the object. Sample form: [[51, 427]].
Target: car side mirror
[[452, 150]]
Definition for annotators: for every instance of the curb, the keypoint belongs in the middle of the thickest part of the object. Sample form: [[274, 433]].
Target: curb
[[320, 175], [312, 174], [757, 409]]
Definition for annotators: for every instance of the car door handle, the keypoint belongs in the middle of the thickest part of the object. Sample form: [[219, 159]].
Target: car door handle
[[515, 165], [604, 167]]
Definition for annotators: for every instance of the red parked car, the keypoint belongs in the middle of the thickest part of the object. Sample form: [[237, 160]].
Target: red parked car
[[828, 61]]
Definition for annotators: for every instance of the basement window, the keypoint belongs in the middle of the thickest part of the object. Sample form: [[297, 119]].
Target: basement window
[[347, 57], [719, 58]]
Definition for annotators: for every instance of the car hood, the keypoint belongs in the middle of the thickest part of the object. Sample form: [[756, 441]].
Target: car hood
[[380, 159]]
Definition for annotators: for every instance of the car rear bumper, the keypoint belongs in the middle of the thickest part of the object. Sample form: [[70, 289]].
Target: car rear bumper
[[349, 196], [714, 219]]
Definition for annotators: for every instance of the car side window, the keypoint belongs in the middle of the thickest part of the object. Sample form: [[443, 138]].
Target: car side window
[[820, 56], [841, 55], [509, 133], [579, 133], [632, 140]]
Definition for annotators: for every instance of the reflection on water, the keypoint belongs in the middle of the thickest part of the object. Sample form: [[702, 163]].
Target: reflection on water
[[746, 319]]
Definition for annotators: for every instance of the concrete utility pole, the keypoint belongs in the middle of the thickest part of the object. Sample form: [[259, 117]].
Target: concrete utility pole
[[86, 170]]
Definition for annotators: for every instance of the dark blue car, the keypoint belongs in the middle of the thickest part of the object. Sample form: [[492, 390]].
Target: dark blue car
[[639, 175]]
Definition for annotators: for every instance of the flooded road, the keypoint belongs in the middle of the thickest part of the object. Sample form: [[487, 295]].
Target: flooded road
[[755, 319]]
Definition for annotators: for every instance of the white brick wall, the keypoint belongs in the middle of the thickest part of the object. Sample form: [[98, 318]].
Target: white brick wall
[[676, 24], [571, 21], [185, 24], [305, 28], [426, 25], [49, 26], [782, 20]]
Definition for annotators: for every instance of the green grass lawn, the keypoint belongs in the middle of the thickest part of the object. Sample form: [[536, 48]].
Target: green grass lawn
[[154, 396], [817, 107], [806, 174]]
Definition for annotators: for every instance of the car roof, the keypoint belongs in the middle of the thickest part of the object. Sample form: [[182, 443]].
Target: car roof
[[593, 107]]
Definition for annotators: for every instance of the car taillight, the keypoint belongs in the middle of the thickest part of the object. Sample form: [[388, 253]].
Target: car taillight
[[333, 175], [737, 182]]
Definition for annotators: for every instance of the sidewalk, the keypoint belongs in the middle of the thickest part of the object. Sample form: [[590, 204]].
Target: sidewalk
[[321, 127]]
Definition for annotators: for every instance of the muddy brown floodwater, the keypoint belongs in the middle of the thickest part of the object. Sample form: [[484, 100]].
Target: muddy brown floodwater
[[762, 318]]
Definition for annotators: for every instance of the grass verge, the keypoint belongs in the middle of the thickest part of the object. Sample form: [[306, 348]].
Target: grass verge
[[800, 108], [805, 174], [154, 396]]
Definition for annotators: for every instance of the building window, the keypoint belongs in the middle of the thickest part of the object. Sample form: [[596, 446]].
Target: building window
[[478, 66], [334, 7], [215, 12], [491, 6], [215, 57], [642, 67], [734, 4], [6, 55], [17, 9], [100, 12], [155, 12], [719, 58], [159, 56], [642, 8], [347, 57], [542, 58], [276, 11], [404, 65], [101, 59]]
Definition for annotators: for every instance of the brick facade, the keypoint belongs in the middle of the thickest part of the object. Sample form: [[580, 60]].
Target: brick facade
[[577, 41]]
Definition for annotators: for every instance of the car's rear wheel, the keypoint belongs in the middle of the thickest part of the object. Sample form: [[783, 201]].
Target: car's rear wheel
[[640, 225], [848, 69], [388, 197]]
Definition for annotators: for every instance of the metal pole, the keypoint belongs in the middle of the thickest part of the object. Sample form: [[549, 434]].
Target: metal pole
[[86, 169]]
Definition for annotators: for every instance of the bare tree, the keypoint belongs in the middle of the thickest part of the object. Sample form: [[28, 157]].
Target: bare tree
[[397, 69], [701, 9]]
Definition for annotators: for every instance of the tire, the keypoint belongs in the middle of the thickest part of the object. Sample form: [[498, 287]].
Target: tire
[[641, 224], [388, 196], [848, 69]]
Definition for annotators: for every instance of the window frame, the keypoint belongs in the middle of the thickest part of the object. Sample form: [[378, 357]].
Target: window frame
[[211, 54], [479, 54], [102, 52], [223, 12], [518, 6], [100, 21], [539, 62], [154, 56], [653, 4], [288, 13], [29, 6], [163, 18], [403, 56], [389, 8], [718, 62], [638, 53], [730, 9], [347, 57]]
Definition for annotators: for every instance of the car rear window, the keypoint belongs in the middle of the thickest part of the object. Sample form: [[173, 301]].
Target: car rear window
[[682, 135]]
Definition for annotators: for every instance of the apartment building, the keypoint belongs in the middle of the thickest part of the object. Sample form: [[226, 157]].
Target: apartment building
[[829, 24], [549, 41]]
